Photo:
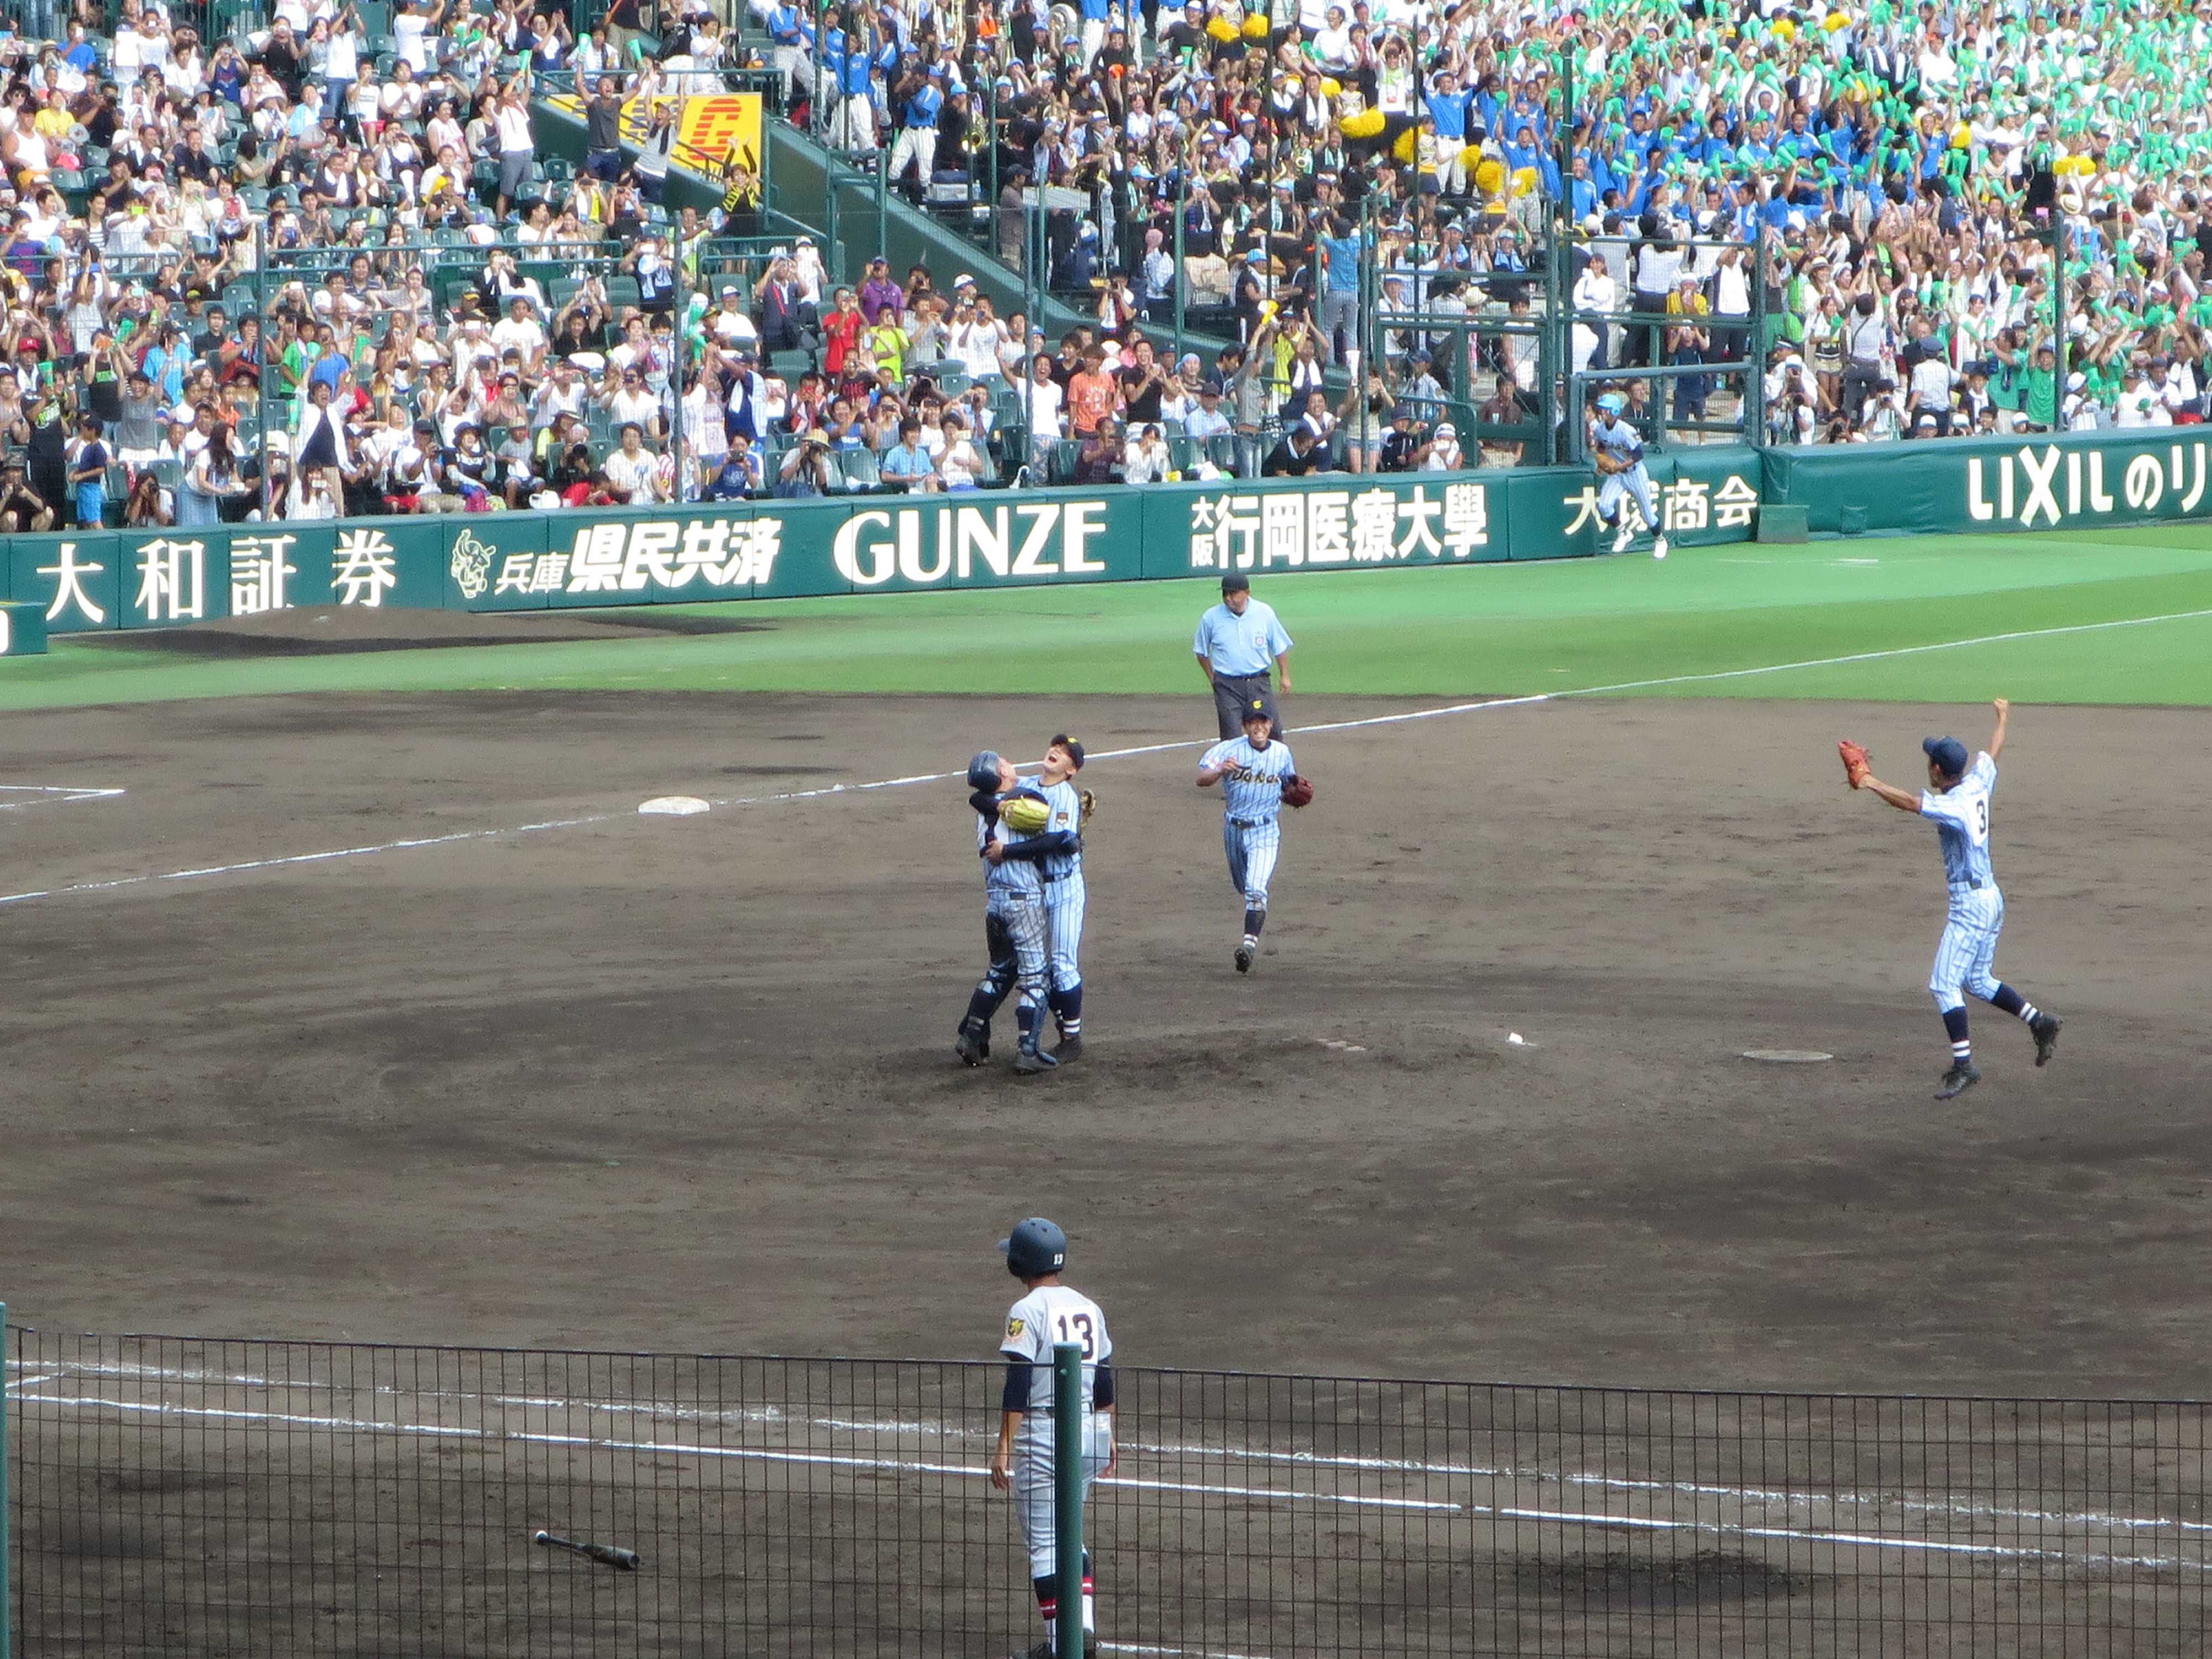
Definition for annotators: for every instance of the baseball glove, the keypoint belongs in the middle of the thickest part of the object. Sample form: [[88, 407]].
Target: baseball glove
[[1297, 791], [1025, 815], [1090, 805], [1857, 770]]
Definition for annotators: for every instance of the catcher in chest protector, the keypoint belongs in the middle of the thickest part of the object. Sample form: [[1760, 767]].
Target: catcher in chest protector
[[1258, 781], [1015, 839]]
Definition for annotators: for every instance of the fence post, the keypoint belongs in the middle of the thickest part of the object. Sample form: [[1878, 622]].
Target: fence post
[[1068, 1417], [7, 1539], [1753, 401]]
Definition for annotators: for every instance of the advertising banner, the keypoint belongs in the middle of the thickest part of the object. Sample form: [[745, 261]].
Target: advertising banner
[[1967, 485], [22, 631], [706, 126], [860, 543]]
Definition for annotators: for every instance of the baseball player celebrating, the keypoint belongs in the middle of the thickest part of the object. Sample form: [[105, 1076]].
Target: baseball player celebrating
[[1062, 875], [1958, 799], [1049, 1312], [1013, 836], [1256, 778], [1620, 456]]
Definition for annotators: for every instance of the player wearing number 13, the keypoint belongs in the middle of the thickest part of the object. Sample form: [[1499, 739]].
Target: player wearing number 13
[[1048, 1313], [1957, 799]]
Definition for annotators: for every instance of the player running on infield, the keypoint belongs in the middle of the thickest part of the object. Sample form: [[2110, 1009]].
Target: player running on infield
[[1049, 1312], [1013, 850], [1062, 875], [1620, 456], [1957, 798], [1252, 770]]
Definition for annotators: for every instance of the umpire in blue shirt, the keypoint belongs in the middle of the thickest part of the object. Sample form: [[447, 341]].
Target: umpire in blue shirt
[[1235, 640]]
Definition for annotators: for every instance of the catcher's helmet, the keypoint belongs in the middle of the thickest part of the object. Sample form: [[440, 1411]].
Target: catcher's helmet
[[1034, 1248], [983, 770]]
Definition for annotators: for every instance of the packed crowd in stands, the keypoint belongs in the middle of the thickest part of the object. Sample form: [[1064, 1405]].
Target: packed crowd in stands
[[1906, 221]]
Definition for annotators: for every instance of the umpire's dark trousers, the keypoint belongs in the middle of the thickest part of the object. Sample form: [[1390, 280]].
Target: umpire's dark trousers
[[1233, 695]]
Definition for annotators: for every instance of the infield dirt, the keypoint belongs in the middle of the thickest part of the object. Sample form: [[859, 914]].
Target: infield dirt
[[687, 1084]]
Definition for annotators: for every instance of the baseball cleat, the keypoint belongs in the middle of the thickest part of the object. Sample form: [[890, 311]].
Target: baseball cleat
[[1030, 1061], [974, 1048], [1068, 1048], [1959, 1078], [1243, 958], [2045, 1027], [1621, 537], [1659, 548]]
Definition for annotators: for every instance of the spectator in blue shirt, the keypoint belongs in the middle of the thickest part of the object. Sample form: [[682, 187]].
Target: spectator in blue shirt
[[906, 464]]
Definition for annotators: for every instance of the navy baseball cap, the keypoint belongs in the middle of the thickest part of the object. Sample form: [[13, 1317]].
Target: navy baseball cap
[[1948, 753], [1061, 740], [1236, 584], [1257, 710]]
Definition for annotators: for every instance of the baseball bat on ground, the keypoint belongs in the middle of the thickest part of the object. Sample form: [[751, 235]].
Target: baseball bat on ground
[[607, 1555]]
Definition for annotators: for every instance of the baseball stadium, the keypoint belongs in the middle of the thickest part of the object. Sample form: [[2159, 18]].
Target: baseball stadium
[[669, 666], [357, 1004]]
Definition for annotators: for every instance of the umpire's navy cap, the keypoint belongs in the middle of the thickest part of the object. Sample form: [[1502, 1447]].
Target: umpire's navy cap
[[1948, 753], [1236, 584]]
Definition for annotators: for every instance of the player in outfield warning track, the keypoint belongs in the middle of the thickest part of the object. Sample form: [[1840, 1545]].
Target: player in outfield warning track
[[1014, 838], [1256, 778], [1957, 799], [1062, 875], [1618, 450], [1050, 1313]]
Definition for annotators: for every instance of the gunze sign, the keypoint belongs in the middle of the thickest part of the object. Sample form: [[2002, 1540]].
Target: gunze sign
[[1031, 541]]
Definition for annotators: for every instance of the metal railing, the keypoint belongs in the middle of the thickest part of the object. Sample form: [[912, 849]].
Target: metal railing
[[181, 1494]]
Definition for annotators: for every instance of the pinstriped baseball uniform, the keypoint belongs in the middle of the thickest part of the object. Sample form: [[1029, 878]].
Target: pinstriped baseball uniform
[[1964, 960], [1251, 806], [1063, 888], [1014, 894], [1620, 440]]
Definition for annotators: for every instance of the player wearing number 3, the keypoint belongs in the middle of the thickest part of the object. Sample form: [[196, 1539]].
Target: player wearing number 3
[[1958, 799], [1048, 1313]]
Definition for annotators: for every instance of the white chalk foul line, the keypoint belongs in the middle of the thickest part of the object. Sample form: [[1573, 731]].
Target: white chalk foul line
[[1402, 718], [1953, 1508], [50, 795], [1265, 1494]]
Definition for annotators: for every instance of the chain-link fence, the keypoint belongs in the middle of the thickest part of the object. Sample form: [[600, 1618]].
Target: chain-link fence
[[177, 1496]]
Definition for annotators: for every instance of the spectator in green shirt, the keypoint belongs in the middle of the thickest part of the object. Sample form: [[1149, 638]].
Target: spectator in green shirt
[[2041, 403]]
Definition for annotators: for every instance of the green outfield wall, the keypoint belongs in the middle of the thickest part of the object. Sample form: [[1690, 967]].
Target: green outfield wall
[[993, 538], [850, 544], [1978, 485]]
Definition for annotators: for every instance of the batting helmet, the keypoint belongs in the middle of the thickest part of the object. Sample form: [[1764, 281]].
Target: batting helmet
[[983, 770], [1034, 1248]]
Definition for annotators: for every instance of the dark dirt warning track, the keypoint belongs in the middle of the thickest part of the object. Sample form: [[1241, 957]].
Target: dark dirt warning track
[[687, 1084]]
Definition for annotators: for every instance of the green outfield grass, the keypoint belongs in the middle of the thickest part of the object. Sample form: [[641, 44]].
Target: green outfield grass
[[1630, 624]]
